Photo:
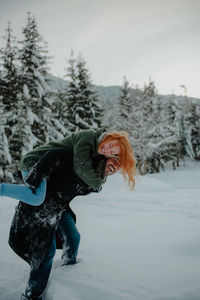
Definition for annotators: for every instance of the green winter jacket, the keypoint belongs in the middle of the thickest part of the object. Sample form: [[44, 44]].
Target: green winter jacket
[[82, 147]]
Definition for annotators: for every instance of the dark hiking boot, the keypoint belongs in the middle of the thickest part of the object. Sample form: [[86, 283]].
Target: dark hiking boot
[[25, 296]]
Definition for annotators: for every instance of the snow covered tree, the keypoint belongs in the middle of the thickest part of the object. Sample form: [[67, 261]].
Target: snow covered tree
[[71, 93], [185, 138], [173, 150], [23, 139], [156, 147], [83, 109], [123, 109], [33, 58], [59, 116], [92, 112], [150, 131], [9, 80], [192, 128], [9, 91], [145, 126], [196, 130], [5, 157], [126, 106], [136, 120]]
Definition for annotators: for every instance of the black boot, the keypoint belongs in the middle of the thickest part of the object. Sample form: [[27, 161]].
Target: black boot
[[26, 296]]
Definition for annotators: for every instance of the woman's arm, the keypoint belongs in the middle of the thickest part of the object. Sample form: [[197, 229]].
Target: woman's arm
[[43, 168], [85, 149]]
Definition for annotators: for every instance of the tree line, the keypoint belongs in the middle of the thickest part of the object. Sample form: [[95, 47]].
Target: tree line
[[161, 129], [33, 112]]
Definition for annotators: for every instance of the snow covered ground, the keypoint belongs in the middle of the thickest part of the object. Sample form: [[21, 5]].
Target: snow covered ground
[[139, 245]]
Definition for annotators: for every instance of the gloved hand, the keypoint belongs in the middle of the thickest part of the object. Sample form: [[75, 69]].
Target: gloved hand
[[33, 180]]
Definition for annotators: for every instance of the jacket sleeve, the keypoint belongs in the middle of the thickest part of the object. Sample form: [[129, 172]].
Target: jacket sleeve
[[85, 147], [43, 168]]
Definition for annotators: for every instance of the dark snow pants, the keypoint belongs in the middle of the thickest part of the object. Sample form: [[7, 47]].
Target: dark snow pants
[[70, 237]]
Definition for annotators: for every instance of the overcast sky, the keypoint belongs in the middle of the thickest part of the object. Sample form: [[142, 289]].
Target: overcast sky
[[117, 38]]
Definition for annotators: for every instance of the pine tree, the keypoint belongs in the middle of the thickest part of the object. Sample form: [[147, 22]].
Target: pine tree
[[83, 109], [174, 147], [5, 157], [71, 93], [196, 131], [9, 80], [124, 109], [192, 128], [145, 124], [9, 91], [136, 120], [59, 116], [33, 57], [22, 135], [185, 138], [158, 138], [150, 131]]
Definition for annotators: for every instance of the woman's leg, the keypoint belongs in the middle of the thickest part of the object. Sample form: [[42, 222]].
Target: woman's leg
[[71, 238], [23, 193], [38, 279]]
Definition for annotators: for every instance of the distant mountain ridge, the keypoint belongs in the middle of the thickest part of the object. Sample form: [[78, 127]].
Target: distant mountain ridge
[[108, 94]]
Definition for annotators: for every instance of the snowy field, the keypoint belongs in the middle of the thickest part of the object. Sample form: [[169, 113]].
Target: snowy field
[[139, 245]]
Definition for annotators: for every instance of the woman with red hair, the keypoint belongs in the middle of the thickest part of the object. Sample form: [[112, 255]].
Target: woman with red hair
[[118, 144]]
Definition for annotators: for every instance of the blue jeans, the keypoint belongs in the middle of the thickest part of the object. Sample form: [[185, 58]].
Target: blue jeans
[[70, 236], [23, 193]]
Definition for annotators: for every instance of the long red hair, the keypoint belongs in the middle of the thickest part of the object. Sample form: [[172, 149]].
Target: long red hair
[[126, 156]]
